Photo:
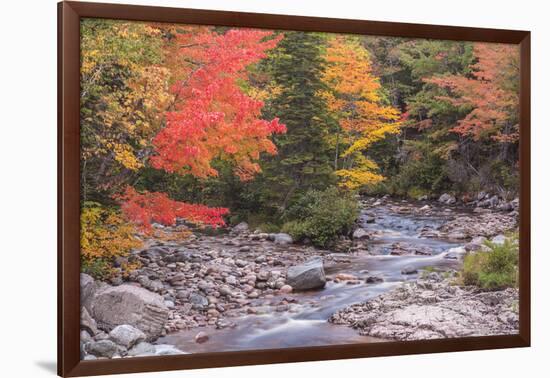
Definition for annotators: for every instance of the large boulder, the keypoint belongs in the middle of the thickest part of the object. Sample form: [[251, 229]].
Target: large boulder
[[87, 323], [309, 275], [132, 305], [88, 289]]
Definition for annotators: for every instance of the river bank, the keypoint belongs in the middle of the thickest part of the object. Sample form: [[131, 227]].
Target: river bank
[[234, 290]]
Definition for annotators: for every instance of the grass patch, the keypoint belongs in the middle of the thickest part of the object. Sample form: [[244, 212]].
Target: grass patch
[[497, 269]]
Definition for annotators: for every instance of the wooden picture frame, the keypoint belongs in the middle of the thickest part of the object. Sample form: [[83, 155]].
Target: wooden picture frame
[[69, 15]]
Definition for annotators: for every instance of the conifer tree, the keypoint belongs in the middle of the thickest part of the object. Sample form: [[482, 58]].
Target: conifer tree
[[304, 157]]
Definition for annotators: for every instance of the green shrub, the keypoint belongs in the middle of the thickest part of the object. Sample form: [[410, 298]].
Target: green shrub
[[321, 216], [492, 270], [421, 171], [416, 192]]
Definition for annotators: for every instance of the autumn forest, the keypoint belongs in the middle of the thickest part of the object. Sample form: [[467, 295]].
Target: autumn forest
[[190, 132]]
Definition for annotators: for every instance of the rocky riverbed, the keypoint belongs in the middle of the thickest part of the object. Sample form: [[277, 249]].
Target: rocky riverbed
[[432, 308], [245, 289]]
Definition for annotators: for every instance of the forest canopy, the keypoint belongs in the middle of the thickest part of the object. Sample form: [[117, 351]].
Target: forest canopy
[[216, 125]]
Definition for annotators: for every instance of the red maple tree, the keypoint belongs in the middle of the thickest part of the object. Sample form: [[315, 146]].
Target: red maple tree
[[213, 118]]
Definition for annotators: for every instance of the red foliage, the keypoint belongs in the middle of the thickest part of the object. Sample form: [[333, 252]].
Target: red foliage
[[143, 209], [213, 117]]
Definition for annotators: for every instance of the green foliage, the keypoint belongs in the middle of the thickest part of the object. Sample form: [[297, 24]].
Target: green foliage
[[428, 156], [321, 216], [269, 227], [492, 270], [304, 158], [423, 172]]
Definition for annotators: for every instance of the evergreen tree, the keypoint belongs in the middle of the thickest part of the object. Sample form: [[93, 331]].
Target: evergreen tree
[[304, 158]]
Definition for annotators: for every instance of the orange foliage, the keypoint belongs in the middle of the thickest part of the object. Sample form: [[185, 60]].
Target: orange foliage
[[491, 92], [354, 95]]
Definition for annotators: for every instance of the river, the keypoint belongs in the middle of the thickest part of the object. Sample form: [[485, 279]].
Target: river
[[305, 323]]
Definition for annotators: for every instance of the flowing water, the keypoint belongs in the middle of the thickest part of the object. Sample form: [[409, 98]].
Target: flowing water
[[305, 322]]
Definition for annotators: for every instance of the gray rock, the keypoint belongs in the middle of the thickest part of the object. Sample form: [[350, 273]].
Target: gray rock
[[127, 304], [142, 349], [201, 337], [493, 201], [155, 253], [309, 275], [126, 335], [374, 279], [433, 309], [88, 290], [198, 301], [476, 244], [456, 253], [231, 280], [369, 218], [87, 323], [482, 195], [506, 206], [409, 270], [167, 350], [104, 348], [457, 235], [241, 227], [499, 239], [85, 337], [282, 238], [285, 289], [241, 263], [447, 199], [153, 285], [177, 278], [360, 233], [101, 336]]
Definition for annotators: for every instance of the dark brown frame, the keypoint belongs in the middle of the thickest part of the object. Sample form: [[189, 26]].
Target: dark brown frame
[[69, 14]]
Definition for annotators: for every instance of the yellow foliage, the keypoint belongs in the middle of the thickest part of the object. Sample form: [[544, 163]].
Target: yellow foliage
[[361, 174], [354, 95], [125, 156], [104, 235], [132, 114]]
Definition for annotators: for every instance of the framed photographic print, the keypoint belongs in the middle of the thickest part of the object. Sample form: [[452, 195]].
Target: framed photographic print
[[239, 188]]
